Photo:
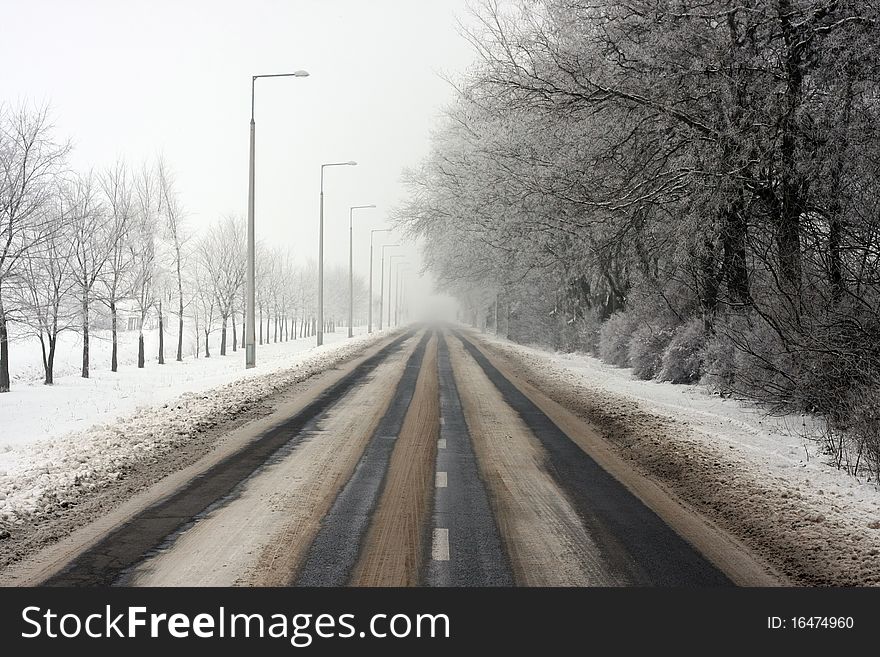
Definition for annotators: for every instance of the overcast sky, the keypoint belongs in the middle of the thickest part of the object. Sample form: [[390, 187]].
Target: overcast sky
[[131, 79]]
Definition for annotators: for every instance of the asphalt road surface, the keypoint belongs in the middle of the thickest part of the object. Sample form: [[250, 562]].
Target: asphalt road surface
[[425, 462]]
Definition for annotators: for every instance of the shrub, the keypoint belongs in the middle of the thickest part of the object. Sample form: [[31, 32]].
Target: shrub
[[614, 339], [646, 349], [588, 332], [719, 364], [682, 360]]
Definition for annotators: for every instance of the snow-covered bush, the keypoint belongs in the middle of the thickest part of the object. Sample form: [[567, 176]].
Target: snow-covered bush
[[766, 369], [646, 349], [861, 407], [719, 364], [683, 358], [614, 339], [588, 332]]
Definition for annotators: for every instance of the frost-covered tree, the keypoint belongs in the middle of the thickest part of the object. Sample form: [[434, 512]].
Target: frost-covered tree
[[47, 283], [142, 248], [30, 160], [222, 255], [174, 228], [94, 242], [121, 207]]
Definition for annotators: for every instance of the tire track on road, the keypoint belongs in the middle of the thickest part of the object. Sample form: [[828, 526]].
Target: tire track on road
[[332, 556], [393, 550], [466, 548], [259, 534], [543, 534], [103, 562], [633, 537]]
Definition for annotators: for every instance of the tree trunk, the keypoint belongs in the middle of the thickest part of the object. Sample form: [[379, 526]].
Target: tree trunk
[[276, 328], [234, 335], [141, 346], [45, 356], [223, 338], [4, 350], [788, 231], [179, 311], [85, 359], [207, 346], [733, 237], [835, 211], [161, 336], [709, 283], [50, 361], [261, 324], [788, 243], [113, 348]]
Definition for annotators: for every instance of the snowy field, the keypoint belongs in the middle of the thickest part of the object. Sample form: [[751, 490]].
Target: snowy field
[[33, 411]]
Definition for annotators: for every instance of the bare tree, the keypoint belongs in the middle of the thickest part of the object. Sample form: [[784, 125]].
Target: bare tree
[[206, 306], [29, 162], [174, 228], [142, 249], [93, 246], [47, 283], [222, 257], [119, 198]]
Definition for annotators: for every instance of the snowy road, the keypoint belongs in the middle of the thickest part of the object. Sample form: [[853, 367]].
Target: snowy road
[[424, 462]]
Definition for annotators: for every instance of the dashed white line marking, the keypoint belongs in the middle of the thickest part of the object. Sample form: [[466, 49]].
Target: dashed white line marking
[[441, 480], [440, 545], [441, 444], [442, 421]]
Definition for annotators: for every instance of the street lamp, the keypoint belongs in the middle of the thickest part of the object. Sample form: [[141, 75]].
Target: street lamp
[[350, 163], [370, 311], [382, 280], [250, 343], [350, 271], [391, 264]]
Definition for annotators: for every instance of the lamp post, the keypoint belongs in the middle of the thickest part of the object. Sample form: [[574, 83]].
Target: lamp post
[[391, 264], [350, 163], [350, 265], [250, 343], [370, 304], [382, 281]]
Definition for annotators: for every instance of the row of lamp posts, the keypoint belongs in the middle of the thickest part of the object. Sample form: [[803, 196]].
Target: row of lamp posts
[[250, 326]]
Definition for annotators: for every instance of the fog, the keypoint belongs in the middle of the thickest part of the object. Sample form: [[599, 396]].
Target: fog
[[136, 79]]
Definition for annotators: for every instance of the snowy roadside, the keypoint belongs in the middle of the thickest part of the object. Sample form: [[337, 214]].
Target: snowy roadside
[[33, 412], [41, 479], [754, 475]]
